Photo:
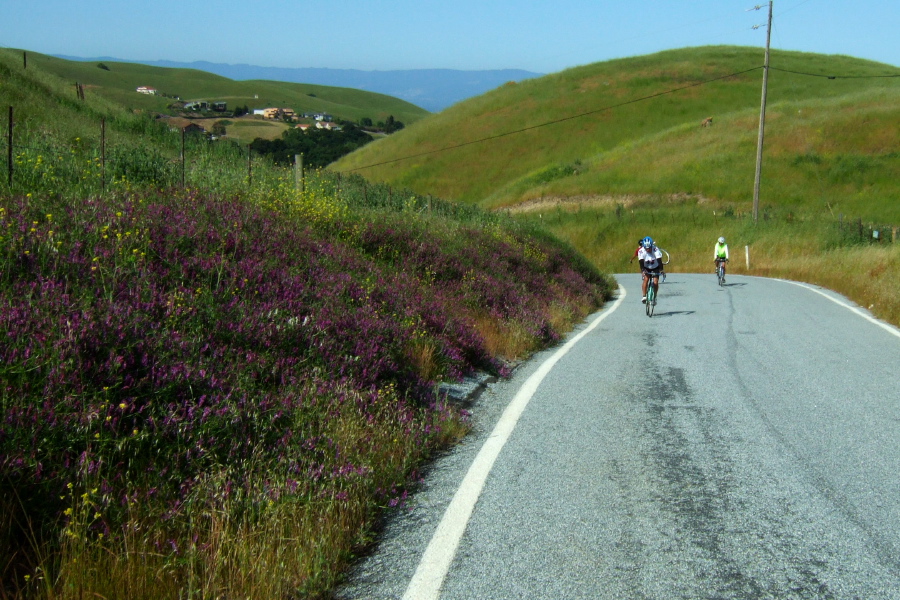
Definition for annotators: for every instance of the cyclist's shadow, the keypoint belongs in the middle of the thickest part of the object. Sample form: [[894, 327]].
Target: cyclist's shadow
[[673, 313]]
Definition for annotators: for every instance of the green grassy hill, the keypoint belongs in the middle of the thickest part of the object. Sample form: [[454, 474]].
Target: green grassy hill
[[120, 81], [634, 138], [604, 154]]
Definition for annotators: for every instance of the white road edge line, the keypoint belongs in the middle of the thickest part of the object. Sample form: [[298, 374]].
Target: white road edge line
[[887, 327], [435, 563]]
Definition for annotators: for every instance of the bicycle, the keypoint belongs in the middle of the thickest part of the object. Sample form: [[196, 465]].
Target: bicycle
[[720, 270], [650, 304]]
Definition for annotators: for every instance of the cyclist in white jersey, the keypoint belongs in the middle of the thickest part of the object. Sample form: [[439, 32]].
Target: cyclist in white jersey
[[650, 259]]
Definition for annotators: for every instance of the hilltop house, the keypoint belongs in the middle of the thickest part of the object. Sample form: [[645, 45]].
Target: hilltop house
[[146, 90], [267, 113], [328, 125], [287, 114]]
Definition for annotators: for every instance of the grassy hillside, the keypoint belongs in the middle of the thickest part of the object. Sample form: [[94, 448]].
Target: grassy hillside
[[213, 388], [119, 82], [639, 163], [621, 126]]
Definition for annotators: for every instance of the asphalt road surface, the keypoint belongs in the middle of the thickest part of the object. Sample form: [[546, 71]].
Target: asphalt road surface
[[744, 442]]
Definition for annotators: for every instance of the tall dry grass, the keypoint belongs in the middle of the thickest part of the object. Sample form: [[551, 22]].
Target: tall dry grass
[[784, 244]]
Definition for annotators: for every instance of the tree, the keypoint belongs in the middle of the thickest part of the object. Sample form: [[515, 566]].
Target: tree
[[319, 147], [390, 126], [218, 128]]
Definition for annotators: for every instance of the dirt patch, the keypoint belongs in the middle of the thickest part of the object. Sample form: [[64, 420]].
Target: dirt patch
[[574, 203]]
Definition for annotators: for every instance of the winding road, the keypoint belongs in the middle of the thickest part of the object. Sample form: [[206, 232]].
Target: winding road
[[742, 443]]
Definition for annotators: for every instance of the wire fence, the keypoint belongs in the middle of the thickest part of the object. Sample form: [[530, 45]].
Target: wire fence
[[38, 162]]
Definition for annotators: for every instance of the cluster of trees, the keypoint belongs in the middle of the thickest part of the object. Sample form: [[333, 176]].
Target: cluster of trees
[[319, 147], [388, 126]]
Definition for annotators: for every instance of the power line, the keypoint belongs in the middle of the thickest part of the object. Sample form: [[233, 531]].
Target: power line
[[834, 76], [554, 122]]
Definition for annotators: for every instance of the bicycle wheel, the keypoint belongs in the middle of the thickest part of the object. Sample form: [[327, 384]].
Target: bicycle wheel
[[720, 273], [651, 298]]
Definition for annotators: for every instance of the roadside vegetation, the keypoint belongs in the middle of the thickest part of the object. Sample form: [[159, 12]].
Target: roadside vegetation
[[215, 390], [634, 166]]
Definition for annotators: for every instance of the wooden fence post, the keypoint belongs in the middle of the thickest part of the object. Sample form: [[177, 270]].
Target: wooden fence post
[[9, 148], [183, 135], [298, 172], [103, 154]]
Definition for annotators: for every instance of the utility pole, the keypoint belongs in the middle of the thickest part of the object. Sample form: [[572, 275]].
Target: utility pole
[[762, 120]]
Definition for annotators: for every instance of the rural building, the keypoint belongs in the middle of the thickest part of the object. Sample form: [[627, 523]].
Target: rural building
[[270, 113], [196, 105], [181, 124], [193, 128], [302, 126], [146, 90], [220, 106], [327, 125]]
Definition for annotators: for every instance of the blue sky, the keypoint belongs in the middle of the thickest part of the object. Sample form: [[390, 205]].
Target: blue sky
[[535, 35]]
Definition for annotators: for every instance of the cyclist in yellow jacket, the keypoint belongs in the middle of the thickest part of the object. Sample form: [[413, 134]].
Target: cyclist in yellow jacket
[[721, 255]]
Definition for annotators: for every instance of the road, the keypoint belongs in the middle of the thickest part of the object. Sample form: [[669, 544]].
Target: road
[[742, 443]]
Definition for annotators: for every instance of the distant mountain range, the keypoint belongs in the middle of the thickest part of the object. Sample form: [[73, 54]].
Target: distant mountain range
[[431, 89]]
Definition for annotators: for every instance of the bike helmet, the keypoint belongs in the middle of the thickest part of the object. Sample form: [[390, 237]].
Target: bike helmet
[[647, 242], [721, 240]]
